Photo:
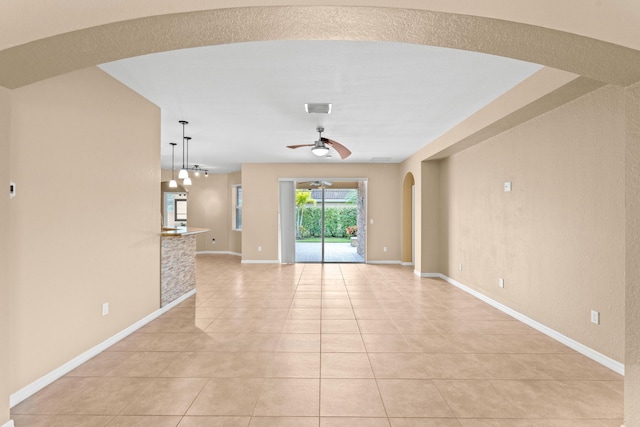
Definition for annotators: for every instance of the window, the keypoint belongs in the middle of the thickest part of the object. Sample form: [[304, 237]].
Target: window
[[237, 207]]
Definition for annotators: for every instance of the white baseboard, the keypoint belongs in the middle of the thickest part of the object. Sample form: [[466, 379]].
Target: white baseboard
[[429, 275], [9, 424], [406, 264], [47, 379], [218, 253], [592, 354], [382, 261]]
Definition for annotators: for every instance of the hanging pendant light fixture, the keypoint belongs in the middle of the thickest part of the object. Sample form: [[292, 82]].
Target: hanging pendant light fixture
[[173, 183], [183, 172], [187, 180]]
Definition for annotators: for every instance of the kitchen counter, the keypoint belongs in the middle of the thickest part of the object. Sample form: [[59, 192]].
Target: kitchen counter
[[182, 231], [178, 262]]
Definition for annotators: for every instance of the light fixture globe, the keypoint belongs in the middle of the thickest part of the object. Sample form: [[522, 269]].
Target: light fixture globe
[[183, 174], [187, 181], [173, 184], [320, 150]]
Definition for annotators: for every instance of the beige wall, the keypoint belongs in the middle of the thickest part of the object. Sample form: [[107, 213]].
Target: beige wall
[[558, 238], [260, 205], [431, 240], [84, 226], [5, 250], [632, 270]]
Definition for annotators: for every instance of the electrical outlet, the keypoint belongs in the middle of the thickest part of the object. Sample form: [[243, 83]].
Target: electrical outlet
[[213, 241], [507, 186], [105, 308], [595, 317], [384, 249], [460, 267], [259, 248], [501, 282]]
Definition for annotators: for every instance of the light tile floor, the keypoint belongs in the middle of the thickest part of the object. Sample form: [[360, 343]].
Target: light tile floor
[[330, 345]]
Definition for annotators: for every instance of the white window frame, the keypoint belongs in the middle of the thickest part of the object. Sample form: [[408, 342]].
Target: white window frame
[[236, 207]]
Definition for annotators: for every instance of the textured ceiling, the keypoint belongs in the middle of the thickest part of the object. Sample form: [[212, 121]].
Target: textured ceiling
[[245, 101]]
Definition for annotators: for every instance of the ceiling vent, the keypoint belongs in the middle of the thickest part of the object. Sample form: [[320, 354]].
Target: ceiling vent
[[318, 108]]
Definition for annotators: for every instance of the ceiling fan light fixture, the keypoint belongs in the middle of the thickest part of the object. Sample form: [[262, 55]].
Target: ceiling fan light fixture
[[320, 151]]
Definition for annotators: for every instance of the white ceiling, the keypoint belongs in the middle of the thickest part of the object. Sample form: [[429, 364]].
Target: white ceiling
[[245, 102]]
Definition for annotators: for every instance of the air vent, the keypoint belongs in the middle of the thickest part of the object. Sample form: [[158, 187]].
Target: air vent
[[318, 108], [381, 159]]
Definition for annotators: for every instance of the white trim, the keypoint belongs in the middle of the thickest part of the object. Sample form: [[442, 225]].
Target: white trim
[[406, 264], [382, 261], [10, 424], [47, 379], [592, 354], [431, 275], [260, 261], [218, 253]]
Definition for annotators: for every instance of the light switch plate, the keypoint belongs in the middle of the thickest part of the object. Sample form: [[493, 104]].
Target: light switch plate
[[507, 186]]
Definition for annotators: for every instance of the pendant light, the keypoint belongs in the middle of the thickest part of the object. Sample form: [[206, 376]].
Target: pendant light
[[173, 183], [187, 180], [183, 172]]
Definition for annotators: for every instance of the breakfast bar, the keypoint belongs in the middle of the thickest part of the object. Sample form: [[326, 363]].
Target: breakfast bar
[[178, 264]]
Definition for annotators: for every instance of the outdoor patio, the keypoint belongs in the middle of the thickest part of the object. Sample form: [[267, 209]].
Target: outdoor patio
[[333, 252]]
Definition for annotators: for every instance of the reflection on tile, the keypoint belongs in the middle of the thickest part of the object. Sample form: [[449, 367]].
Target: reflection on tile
[[350, 397], [291, 397], [61, 420], [345, 365], [413, 398], [227, 396], [326, 346], [284, 422], [166, 396], [295, 365], [206, 421], [144, 421], [353, 422], [424, 422]]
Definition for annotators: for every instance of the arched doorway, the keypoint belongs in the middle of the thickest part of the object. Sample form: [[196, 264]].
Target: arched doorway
[[46, 54]]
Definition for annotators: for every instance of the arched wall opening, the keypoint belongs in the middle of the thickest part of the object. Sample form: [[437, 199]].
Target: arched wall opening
[[59, 54], [50, 56]]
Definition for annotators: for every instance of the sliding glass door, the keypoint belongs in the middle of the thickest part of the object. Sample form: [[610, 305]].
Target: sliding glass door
[[330, 221]]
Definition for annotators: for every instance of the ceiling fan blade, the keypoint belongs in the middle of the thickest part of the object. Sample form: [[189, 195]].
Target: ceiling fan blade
[[301, 145], [341, 149]]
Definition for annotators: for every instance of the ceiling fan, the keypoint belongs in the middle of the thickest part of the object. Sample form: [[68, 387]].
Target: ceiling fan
[[321, 146], [312, 184]]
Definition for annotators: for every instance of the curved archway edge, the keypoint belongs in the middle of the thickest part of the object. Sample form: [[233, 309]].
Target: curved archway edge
[[407, 218], [41, 59]]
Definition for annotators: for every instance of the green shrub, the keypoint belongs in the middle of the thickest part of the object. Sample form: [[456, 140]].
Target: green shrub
[[336, 221]]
